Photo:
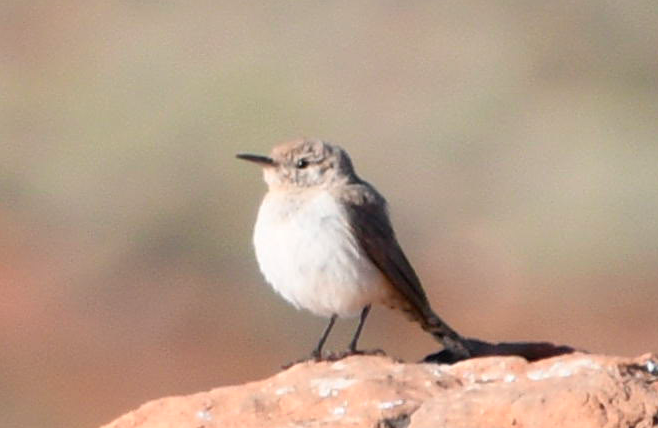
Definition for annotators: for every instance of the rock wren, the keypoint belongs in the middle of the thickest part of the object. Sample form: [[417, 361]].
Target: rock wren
[[324, 241]]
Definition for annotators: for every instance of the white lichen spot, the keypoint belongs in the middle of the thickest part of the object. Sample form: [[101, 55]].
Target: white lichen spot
[[509, 378], [562, 369], [564, 372], [338, 365], [204, 415], [284, 390], [339, 411], [488, 377], [435, 370], [390, 404], [470, 377], [537, 375], [328, 387]]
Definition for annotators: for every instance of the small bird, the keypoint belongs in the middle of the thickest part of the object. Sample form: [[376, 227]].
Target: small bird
[[324, 241]]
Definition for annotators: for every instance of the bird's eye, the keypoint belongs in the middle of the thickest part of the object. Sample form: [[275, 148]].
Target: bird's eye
[[301, 164]]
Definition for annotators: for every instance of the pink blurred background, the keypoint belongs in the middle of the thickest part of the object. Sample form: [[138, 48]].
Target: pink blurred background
[[515, 142]]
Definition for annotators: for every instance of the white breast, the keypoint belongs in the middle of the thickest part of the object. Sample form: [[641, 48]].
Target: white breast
[[306, 251]]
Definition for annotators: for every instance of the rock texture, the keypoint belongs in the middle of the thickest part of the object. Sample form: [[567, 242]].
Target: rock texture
[[576, 390]]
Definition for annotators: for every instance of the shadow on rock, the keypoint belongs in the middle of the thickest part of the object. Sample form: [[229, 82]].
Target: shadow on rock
[[531, 351]]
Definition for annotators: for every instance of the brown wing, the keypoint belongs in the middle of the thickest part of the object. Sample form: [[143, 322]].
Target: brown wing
[[368, 218]]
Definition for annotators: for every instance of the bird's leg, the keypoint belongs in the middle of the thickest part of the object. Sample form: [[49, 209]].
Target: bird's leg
[[364, 314], [317, 352]]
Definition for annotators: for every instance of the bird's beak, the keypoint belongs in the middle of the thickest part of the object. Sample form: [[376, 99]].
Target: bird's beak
[[261, 160]]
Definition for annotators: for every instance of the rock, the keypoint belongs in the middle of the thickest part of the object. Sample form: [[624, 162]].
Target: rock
[[575, 390]]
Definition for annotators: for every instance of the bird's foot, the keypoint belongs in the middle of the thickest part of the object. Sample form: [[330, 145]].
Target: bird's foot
[[315, 356], [335, 356]]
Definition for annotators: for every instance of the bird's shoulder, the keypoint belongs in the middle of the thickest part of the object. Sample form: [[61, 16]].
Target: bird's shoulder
[[359, 194], [364, 205]]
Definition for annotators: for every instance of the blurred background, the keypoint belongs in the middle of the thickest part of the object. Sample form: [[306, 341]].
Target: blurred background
[[515, 142]]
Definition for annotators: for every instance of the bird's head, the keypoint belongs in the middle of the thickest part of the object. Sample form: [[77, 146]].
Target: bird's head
[[303, 164]]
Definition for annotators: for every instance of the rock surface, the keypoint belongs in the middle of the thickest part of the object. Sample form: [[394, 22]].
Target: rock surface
[[576, 390]]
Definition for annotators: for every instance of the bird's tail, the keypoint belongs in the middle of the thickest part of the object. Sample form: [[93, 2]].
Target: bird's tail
[[452, 341], [421, 312], [443, 333]]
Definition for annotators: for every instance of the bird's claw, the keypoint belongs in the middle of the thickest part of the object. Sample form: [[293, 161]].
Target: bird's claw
[[334, 356]]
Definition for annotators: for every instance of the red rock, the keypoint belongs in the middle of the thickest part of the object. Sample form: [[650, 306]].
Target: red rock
[[576, 390]]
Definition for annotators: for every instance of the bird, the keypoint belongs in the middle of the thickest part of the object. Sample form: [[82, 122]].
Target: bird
[[324, 241]]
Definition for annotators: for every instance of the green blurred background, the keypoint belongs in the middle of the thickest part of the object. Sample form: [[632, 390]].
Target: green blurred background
[[515, 142]]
